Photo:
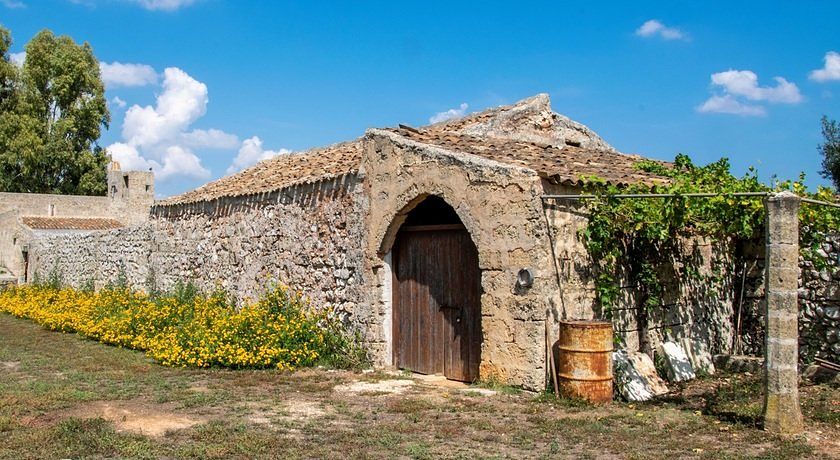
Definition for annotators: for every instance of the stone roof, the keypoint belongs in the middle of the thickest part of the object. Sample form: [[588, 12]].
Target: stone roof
[[280, 172], [70, 223], [529, 120], [568, 164], [527, 133]]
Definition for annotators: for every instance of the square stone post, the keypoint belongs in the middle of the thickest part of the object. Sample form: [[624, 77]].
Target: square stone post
[[781, 313]]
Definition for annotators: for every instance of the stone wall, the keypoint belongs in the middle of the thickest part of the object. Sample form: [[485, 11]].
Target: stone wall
[[696, 307], [307, 236], [98, 257], [723, 308], [819, 304]]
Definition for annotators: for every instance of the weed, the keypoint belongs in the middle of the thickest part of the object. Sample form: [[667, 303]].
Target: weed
[[418, 450], [493, 383]]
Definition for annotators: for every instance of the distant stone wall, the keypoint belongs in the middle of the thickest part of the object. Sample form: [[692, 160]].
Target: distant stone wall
[[14, 237], [99, 257], [307, 236], [38, 204], [11, 236]]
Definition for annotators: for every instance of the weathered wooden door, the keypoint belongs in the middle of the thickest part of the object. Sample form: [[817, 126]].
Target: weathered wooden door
[[25, 266], [437, 302]]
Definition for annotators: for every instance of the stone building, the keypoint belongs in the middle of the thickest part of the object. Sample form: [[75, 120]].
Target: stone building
[[28, 216], [434, 242]]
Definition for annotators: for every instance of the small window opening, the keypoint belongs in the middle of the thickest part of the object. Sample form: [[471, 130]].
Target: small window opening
[[125, 179], [51, 211], [148, 187], [113, 191]]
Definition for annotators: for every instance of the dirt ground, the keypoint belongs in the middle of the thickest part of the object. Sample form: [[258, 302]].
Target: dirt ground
[[62, 396]]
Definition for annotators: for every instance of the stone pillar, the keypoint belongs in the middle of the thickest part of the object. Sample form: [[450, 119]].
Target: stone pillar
[[781, 353]]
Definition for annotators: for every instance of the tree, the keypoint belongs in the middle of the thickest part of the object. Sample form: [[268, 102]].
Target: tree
[[7, 69], [830, 150], [51, 118]]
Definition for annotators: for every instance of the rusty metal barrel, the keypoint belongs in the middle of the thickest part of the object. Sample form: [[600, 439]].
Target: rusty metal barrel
[[584, 366]]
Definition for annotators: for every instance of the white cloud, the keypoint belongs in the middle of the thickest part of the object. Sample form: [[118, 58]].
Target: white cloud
[[183, 101], [831, 69], [745, 83], [735, 86], [163, 5], [252, 152], [117, 101], [728, 104], [17, 58], [210, 139], [159, 137], [13, 4], [129, 158], [653, 27], [118, 74], [178, 161], [449, 114]]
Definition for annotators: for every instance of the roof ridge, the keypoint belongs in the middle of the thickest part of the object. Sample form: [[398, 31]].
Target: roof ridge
[[566, 163]]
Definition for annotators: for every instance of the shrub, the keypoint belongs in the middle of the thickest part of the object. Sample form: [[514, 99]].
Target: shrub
[[188, 328]]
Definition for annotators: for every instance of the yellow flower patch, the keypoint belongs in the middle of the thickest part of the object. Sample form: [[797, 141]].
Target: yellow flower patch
[[279, 330]]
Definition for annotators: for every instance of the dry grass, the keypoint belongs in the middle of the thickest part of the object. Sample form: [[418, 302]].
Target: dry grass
[[65, 397]]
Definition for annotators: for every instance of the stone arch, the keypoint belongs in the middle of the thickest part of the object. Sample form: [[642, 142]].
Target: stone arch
[[405, 207]]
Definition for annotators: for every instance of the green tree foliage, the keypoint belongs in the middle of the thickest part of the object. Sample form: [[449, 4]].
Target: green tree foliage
[[51, 113], [7, 69], [830, 150]]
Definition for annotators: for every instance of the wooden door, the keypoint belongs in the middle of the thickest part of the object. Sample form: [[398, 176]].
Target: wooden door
[[437, 302], [25, 266]]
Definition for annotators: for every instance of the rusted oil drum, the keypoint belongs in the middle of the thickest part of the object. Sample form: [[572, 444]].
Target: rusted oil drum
[[584, 366]]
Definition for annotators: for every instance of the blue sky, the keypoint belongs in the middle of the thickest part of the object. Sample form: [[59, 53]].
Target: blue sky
[[201, 88]]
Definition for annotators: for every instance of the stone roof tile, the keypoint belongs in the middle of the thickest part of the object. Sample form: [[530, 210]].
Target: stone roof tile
[[567, 164], [279, 172]]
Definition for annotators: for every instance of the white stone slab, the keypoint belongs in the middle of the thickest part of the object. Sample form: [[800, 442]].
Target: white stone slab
[[678, 368], [699, 355], [635, 376]]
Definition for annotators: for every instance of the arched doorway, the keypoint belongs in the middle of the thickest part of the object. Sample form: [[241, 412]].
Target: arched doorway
[[436, 294]]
